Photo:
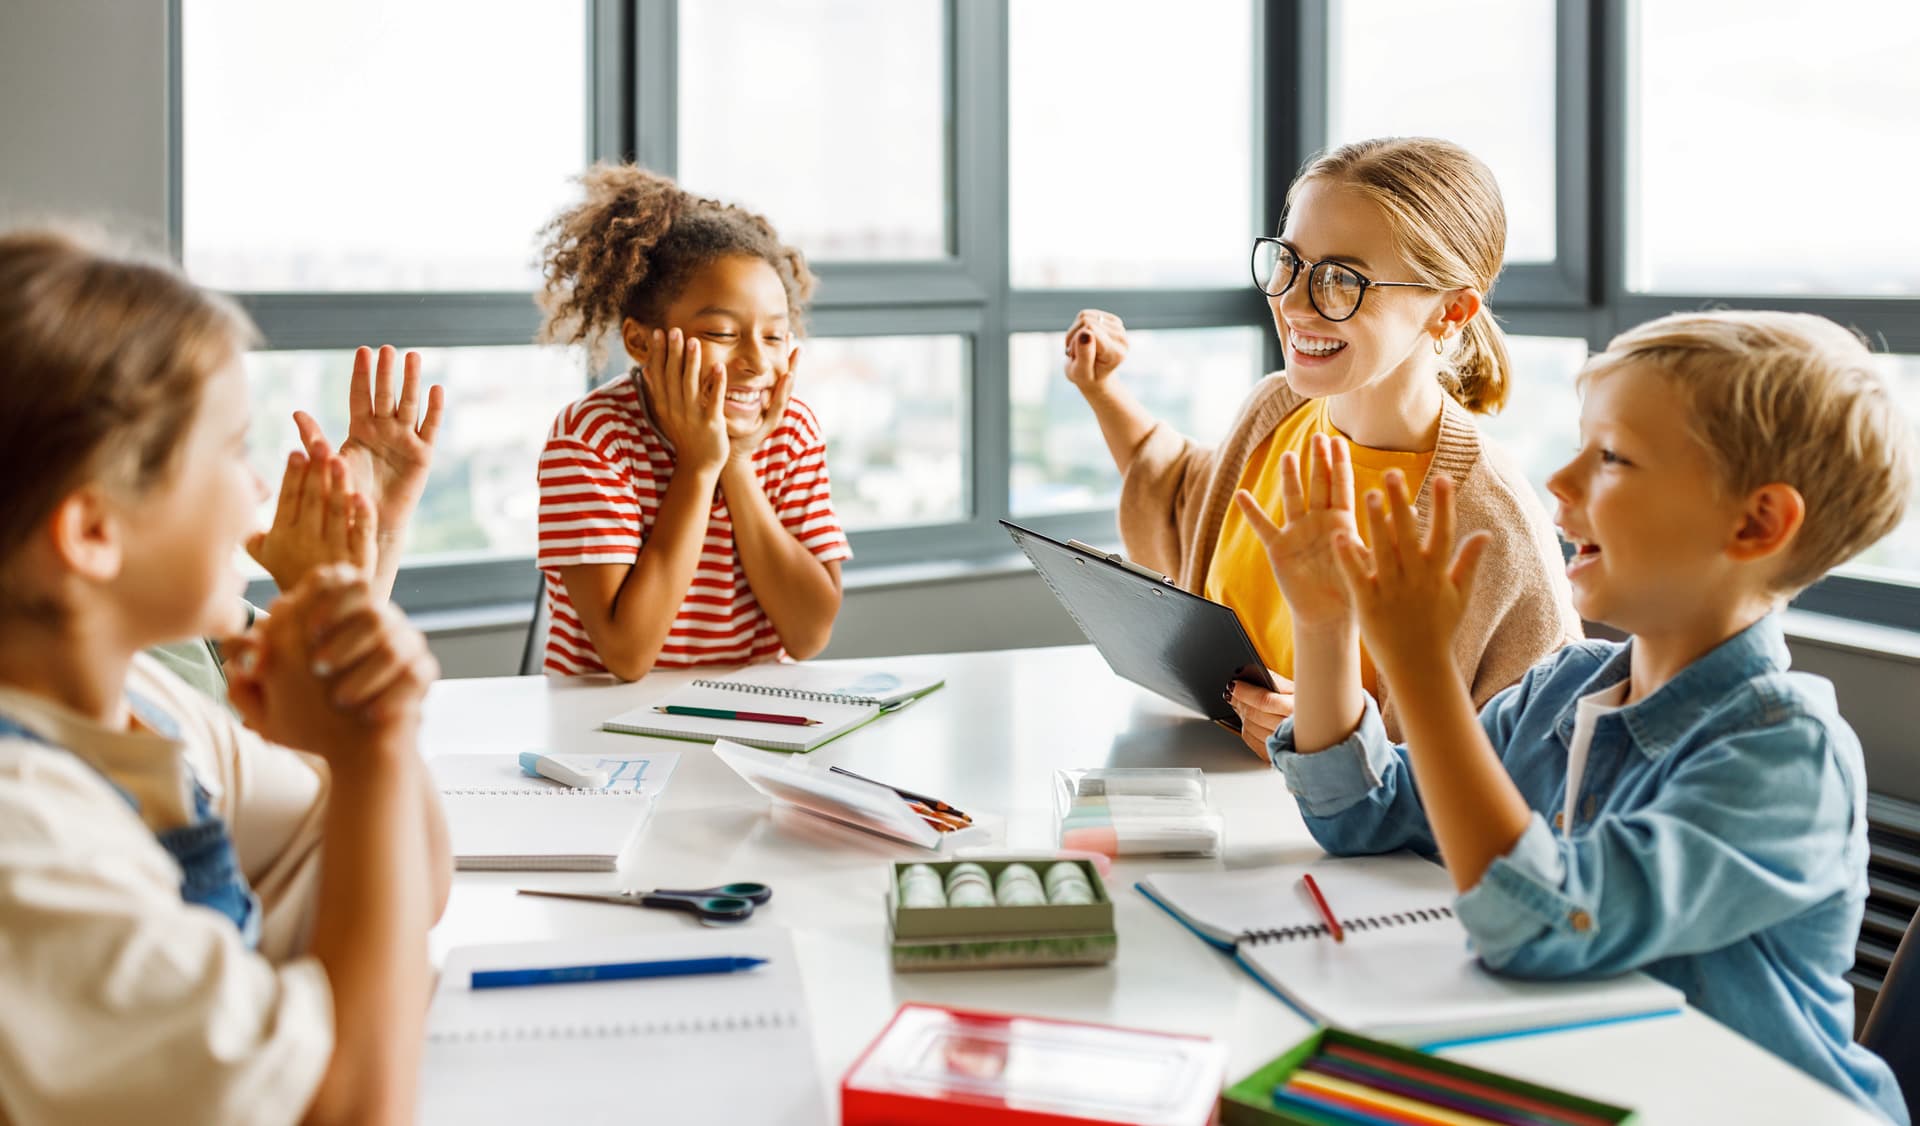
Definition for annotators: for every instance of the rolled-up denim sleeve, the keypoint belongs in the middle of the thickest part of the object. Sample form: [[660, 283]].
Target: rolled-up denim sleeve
[[1356, 796], [1744, 833]]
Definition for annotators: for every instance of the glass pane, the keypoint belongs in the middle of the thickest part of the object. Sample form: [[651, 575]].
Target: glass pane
[[361, 145], [1397, 71], [1773, 147], [829, 117], [1540, 426], [1897, 556], [894, 409], [1193, 379], [481, 498], [1121, 182]]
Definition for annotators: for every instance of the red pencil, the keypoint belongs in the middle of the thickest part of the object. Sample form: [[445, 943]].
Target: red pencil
[[1326, 912]]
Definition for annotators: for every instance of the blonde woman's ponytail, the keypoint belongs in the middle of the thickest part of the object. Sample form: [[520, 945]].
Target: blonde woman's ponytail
[[1478, 368]]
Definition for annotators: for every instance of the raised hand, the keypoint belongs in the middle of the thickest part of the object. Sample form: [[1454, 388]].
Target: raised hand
[[319, 520], [1302, 552], [1096, 344], [687, 401], [389, 446], [1409, 595]]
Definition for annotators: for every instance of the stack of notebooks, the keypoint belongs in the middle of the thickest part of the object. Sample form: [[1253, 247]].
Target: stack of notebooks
[[831, 701], [1404, 971], [719, 1047]]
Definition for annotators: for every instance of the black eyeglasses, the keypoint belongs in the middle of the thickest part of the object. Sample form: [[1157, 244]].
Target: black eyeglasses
[[1333, 288]]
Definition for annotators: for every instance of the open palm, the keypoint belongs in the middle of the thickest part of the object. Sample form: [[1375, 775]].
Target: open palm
[[389, 446], [1302, 552]]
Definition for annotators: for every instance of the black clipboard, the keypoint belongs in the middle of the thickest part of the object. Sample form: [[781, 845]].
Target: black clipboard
[[1151, 632]]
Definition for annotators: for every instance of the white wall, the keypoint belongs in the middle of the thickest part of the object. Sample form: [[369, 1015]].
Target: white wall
[[83, 112]]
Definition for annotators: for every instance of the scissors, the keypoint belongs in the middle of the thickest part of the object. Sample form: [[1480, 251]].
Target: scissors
[[714, 906]]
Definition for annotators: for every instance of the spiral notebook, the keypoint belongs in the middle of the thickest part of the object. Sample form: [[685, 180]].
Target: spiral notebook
[[1405, 971], [832, 681], [831, 718], [500, 818], [707, 1048]]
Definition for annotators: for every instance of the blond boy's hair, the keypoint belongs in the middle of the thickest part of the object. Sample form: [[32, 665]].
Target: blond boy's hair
[[1790, 398]]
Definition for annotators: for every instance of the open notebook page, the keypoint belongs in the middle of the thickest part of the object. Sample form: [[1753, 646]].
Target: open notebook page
[[1225, 905], [704, 1048]]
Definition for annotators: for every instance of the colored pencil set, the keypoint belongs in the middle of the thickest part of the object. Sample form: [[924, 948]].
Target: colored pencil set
[[1337, 1078]]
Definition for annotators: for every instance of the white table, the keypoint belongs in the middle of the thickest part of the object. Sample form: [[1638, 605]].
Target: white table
[[989, 742]]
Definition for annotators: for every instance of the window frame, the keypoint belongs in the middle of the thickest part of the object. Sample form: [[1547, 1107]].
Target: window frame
[[632, 52]]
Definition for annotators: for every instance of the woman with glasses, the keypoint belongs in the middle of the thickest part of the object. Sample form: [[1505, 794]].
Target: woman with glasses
[[1378, 284]]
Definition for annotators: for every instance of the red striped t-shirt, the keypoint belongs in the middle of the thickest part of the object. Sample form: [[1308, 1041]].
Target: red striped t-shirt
[[602, 475]]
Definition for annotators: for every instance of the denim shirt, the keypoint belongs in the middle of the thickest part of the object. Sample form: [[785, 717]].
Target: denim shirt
[[1719, 841]]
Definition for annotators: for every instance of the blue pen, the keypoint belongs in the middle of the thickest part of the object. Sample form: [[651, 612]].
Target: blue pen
[[614, 971]]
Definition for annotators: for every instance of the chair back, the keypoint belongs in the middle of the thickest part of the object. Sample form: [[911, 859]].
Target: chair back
[[534, 652], [1893, 1027]]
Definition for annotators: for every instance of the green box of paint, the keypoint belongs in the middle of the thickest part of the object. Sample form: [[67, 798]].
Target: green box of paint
[[1250, 1102], [992, 938]]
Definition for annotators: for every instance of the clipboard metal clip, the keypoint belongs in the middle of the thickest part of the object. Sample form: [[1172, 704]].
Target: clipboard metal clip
[[1116, 558]]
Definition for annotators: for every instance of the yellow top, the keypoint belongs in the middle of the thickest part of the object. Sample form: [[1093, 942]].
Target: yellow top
[[1239, 576]]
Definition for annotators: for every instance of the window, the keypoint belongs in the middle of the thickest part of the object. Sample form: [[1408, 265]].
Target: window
[[894, 410], [1481, 76], [1540, 425], [329, 157], [1192, 379], [482, 496], [1112, 183], [368, 146], [828, 116], [1774, 147], [1897, 556], [967, 174]]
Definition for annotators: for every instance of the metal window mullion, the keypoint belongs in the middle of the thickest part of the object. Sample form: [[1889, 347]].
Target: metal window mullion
[[978, 89], [656, 85], [290, 321], [1573, 151], [610, 75], [1034, 310]]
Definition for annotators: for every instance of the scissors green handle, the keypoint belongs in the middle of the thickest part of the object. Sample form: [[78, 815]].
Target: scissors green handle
[[728, 903]]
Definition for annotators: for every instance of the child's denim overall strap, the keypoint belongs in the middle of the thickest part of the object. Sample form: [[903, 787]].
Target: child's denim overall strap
[[210, 872]]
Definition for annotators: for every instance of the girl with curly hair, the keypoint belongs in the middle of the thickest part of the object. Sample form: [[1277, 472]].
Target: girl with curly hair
[[685, 513]]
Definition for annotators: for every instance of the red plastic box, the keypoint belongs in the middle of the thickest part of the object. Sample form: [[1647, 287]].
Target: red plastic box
[[954, 1067]]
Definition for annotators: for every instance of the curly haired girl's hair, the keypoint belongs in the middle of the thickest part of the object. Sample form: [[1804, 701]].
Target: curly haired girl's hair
[[629, 247]]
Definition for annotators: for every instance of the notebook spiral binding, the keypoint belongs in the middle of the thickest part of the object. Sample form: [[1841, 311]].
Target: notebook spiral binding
[[540, 791], [787, 693], [1369, 923], [746, 1022]]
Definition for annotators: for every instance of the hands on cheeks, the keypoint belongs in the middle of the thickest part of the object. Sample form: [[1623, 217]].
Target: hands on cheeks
[[1261, 712], [688, 402], [1096, 344], [742, 446], [1408, 596], [319, 520], [332, 669]]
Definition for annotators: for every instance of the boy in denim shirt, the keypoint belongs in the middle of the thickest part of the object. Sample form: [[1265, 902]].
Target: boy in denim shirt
[[1679, 803]]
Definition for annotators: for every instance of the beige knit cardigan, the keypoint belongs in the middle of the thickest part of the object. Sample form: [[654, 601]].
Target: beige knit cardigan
[[1175, 494]]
